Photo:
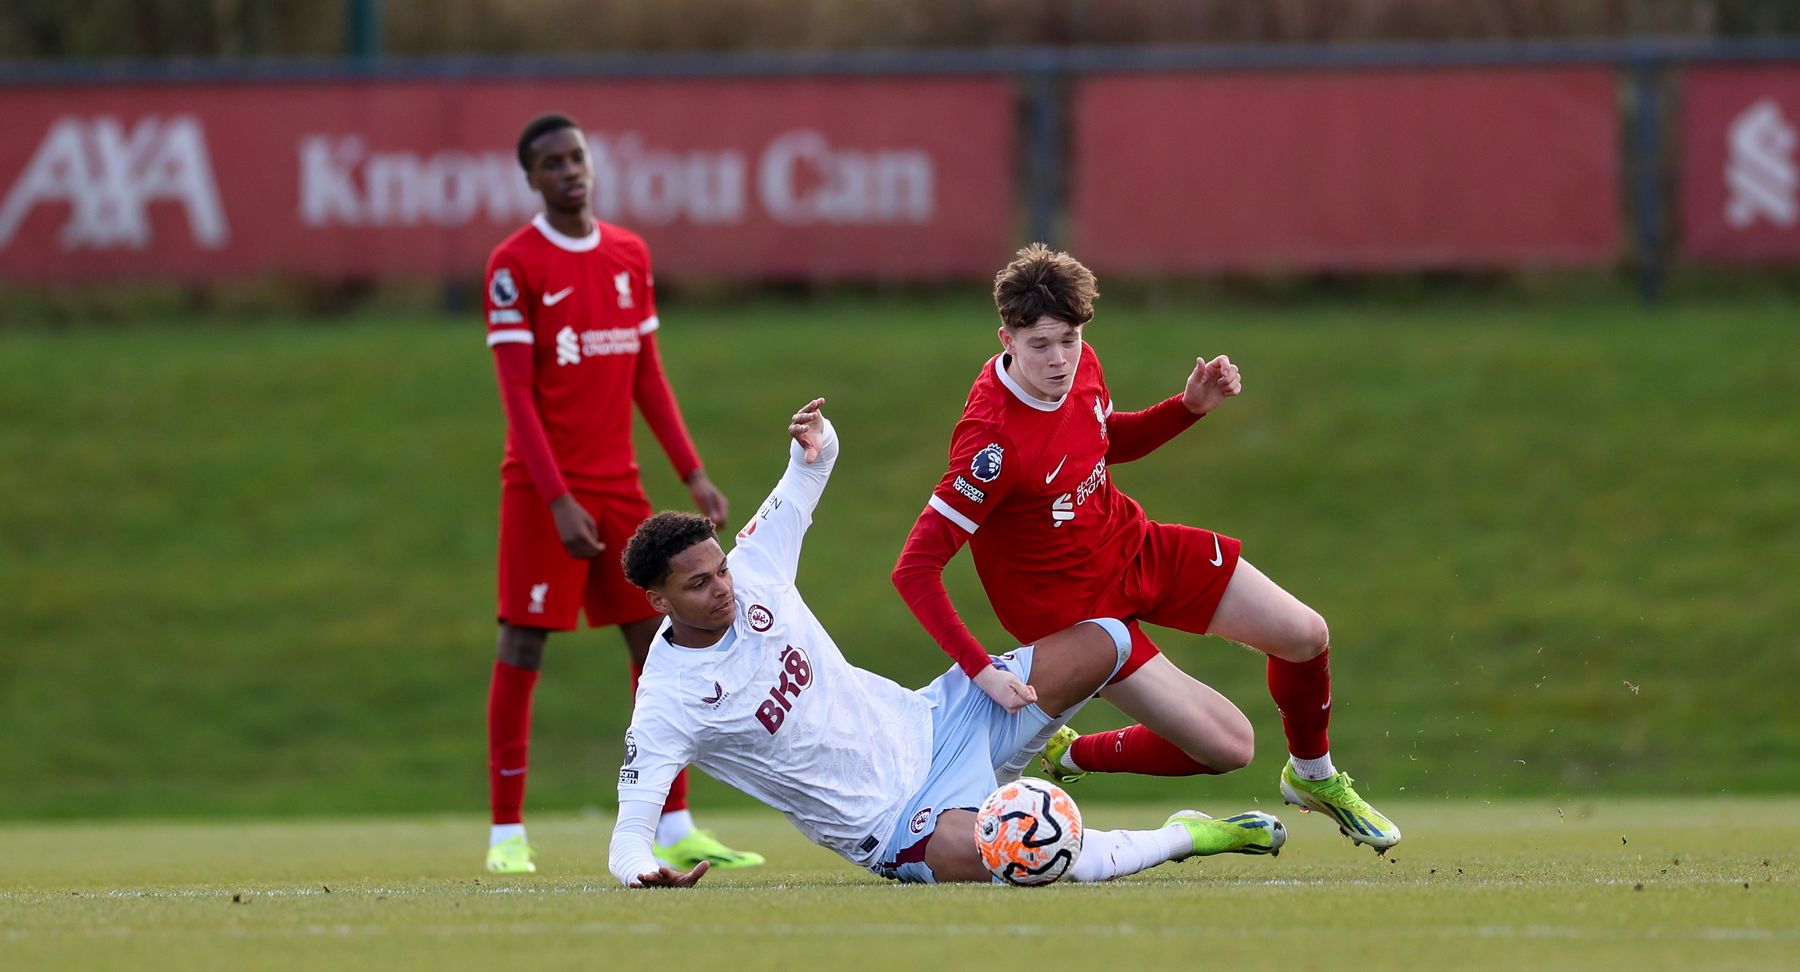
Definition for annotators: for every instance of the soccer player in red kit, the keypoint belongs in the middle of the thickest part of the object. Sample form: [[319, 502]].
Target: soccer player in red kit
[[1029, 489], [571, 314]]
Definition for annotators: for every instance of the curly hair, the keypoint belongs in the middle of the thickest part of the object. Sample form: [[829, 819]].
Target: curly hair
[[659, 540], [1044, 282], [536, 128]]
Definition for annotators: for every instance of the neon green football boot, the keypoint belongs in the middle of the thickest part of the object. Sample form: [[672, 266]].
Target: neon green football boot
[[1334, 798], [701, 845], [1051, 760], [1253, 832], [511, 856]]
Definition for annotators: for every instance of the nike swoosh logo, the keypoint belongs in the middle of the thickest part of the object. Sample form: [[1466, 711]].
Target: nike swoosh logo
[[513, 772], [1218, 555], [551, 300], [1058, 469]]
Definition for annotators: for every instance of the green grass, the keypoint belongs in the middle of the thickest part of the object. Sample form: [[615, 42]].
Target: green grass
[[248, 564], [1644, 884]]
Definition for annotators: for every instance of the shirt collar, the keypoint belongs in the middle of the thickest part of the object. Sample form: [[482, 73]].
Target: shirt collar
[[1028, 398], [574, 244]]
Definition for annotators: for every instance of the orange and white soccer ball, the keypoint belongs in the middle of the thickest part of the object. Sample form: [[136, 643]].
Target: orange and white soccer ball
[[1028, 832]]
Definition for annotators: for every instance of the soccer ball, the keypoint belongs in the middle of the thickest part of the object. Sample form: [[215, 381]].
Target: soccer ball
[[1028, 832]]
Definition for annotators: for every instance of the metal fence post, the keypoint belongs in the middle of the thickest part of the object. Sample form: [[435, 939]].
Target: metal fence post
[[1647, 154], [1044, 153], [362, 29]]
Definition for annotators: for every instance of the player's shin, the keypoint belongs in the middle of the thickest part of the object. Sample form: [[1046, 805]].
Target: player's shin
[[1014, 766], [1108, 854]]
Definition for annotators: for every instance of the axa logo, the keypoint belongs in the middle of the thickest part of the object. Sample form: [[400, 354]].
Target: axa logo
[[1760, 170], [108, 175]]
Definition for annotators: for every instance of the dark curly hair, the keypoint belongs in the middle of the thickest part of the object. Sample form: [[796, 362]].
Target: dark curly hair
[[1041, 281], [659, 540], [538, 127]]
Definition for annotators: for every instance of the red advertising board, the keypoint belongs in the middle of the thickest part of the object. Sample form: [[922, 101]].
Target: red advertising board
[[1347, 170], [1740, 164], [826, 178]]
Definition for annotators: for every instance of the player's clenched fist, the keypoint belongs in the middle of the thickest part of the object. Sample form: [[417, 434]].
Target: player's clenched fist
[[1211, 383]]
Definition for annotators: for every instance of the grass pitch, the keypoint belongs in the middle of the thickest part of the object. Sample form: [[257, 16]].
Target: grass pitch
[[1711, 883], [248, 564]]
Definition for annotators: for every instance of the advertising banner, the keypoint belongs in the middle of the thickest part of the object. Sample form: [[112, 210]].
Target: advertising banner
[[1347, 170], [1740, 164], [817, 178]]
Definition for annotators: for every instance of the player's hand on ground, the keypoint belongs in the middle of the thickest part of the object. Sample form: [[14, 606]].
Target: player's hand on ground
[[668, 877], [707, 498], [1006, 689], [808, 428], [580, 537], [1211, 383]]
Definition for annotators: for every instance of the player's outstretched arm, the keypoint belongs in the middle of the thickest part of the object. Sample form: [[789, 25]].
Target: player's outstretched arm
[[811, 456], [774, 536], [1134, 435]]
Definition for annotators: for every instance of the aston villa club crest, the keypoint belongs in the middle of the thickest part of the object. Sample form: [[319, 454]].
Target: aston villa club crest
[[761, 618]]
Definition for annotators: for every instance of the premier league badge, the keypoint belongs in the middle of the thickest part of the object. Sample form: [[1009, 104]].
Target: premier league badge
[[986, 464], [502, 290]]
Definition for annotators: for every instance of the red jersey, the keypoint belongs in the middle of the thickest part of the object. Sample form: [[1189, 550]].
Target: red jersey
[[1029, 489], [1028, 480], [587, 308]]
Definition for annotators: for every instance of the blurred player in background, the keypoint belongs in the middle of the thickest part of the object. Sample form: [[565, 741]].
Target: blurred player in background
[[571, 313], [1055, 541], [744, 682]]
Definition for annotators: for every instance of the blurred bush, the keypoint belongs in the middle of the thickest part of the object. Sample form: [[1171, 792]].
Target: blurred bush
[[222, 28]]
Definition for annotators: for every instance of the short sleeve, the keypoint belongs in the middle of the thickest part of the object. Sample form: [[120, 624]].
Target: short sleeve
[[506, 302]]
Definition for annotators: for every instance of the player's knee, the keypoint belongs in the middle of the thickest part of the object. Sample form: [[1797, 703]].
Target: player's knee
[[1237, 745], [522, 647], [1309, 640]]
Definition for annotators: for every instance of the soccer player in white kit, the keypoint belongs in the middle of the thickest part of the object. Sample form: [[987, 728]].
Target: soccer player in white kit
[[743, 682]]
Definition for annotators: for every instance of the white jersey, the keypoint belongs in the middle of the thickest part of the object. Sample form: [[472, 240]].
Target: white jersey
[[774, 709]]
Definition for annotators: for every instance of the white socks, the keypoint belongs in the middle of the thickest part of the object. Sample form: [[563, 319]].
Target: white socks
[[505, 832], [1108, 854], [1314, 769], [673, 826]]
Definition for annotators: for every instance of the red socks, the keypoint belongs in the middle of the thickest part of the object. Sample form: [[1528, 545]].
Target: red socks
[[678, 789], [1134, 749], [1302, 691], [509, 739]]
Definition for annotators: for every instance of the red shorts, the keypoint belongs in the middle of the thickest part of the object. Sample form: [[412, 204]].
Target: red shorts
[[542, 586], [1176, 581]]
